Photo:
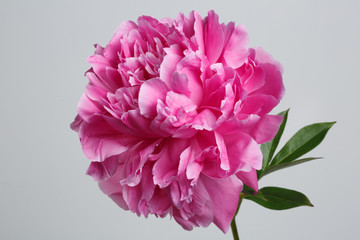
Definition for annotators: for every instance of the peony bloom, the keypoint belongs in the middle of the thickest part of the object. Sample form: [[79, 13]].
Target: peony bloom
[[173, 116]]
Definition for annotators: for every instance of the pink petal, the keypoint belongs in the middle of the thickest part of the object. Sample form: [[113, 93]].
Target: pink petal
[[224, 195], [87, 107], [101, 171], [236, 50], [150, 92], [205, 120], [75, 125], [100, 141], [214, 37], [242, 149], [273, 81], [249, 178], [199, 31], [225, 165], [137, 124], [266, 128], [166, 167], [168, 65], [258, 104]]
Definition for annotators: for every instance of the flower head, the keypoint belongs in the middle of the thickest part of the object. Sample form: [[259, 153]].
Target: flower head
[[173, 116]]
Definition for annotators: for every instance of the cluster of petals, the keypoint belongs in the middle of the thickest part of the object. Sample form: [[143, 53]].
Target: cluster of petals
[[174, 114]]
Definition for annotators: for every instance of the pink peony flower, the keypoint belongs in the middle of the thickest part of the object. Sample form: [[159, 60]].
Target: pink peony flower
[[173, 116]]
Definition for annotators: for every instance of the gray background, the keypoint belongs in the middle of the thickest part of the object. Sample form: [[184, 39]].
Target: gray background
[[44, 193]]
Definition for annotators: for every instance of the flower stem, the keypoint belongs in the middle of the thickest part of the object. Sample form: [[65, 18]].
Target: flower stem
[[234, 230], [233, 222]]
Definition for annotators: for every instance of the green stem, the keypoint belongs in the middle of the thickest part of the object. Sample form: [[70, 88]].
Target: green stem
[[233, 222], [234, 230]]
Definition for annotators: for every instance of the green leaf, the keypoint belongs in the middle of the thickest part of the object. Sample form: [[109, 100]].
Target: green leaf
[[268, 149], [279, 198], [280, 166], [302, 142]]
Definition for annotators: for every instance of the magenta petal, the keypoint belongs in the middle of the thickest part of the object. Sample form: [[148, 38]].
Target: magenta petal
[[150, 92]]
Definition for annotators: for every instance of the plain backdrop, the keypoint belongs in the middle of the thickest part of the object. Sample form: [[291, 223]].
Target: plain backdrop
[[44, 192]]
